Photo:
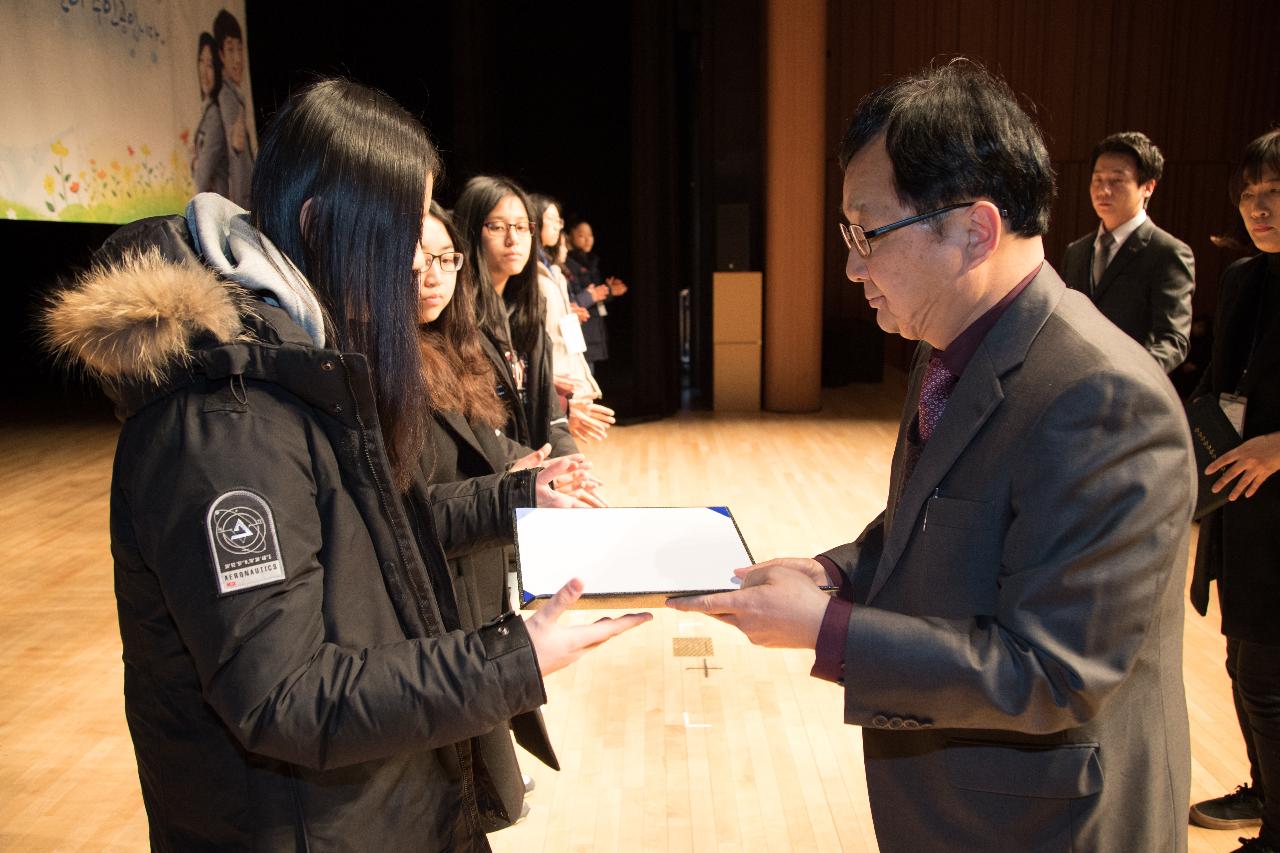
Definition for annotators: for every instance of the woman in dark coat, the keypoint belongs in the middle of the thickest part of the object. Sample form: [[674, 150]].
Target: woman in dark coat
[[474, 476], [495, 217], [478, 475], [1240, 543], [297, 674]]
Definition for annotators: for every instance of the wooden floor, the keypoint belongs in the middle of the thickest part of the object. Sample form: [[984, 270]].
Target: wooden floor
[[726, 747]]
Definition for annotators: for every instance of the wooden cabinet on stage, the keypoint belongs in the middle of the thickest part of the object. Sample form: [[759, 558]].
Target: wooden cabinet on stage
[[736, 339]]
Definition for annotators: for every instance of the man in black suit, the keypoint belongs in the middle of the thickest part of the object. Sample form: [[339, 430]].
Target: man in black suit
[[1139, 276]]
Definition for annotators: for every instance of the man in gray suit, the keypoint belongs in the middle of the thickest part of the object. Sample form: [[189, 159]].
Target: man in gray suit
[[1008, 632], [1140, 276]]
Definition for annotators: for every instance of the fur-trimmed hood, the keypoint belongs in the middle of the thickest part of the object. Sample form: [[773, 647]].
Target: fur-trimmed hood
[[136, 319], [161, 287]]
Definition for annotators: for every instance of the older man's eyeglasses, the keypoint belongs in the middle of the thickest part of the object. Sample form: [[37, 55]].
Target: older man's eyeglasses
[[856, 237], [448, 261]]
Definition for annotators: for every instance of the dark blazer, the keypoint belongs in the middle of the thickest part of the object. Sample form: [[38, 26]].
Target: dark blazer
[[1146, 289], [583, 270], [472, 501], [541, 420], [1016, 661], [1239, 545]]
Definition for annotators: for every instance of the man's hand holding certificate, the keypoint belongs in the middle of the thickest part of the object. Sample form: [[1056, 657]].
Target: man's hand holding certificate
[[780, 605]]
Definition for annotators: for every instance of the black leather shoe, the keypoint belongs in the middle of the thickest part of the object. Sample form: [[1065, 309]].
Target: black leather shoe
[[1241, 808], [1255, 845]]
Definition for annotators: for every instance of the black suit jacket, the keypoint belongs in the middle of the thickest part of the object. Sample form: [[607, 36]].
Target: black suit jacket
[[1239, 545], [1146, 289]]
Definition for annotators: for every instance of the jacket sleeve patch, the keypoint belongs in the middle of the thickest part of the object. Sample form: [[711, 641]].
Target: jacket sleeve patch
[[243, 542]]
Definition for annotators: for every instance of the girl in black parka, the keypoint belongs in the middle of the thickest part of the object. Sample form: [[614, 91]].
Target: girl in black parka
[[297, 673]]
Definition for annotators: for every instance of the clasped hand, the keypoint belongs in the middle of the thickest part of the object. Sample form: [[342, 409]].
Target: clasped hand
[[589, 421], [780, 605], [564, 482]]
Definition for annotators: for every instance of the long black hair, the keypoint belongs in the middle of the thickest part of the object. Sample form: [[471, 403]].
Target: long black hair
[[360, 163], [520, 308]]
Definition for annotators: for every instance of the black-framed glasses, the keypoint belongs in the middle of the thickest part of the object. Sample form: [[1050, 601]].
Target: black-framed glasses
[[856, 237], [448, 261], [496, 227]]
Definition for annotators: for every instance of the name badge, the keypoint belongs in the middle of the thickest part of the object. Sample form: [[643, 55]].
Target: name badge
[[1233, 407]]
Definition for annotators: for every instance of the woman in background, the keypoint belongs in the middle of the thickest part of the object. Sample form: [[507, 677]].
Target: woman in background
[[578, 389], [1239, 544], [495, 217], [590, 290], [209, 147], [474, 476], [477, 475]]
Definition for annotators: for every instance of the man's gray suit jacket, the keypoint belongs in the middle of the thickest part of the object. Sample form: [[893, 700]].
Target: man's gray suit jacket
[[1145, 290], [1016, 661]]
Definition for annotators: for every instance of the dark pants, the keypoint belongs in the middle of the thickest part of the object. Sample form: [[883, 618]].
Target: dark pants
[[1255, 685]]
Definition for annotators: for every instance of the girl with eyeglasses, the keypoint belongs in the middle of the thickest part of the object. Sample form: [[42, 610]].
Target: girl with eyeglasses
[[474, 477], [494, 215]]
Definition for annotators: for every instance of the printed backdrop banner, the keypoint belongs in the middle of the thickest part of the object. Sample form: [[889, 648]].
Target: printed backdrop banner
[[113, 110]]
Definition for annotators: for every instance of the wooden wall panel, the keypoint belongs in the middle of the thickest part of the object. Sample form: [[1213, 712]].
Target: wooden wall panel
[[795, 139], [1201, 79]]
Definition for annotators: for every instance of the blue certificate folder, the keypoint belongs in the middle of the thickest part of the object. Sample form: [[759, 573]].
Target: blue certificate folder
[[628, 556]]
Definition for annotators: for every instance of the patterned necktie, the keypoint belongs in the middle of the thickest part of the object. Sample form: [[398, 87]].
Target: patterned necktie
[[1101, 255], [934, 392]]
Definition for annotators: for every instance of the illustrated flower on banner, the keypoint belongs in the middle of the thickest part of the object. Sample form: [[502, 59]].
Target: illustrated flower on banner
[[145, 182]]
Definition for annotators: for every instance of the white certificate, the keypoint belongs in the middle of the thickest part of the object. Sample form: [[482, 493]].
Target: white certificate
[[628, 556]]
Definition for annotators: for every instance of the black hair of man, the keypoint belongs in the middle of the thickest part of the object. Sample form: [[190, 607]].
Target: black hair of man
[[1146, 156], [225, 26], [956, 133]]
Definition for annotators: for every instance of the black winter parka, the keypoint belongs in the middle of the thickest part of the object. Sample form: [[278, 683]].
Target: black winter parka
[[297, 672]]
